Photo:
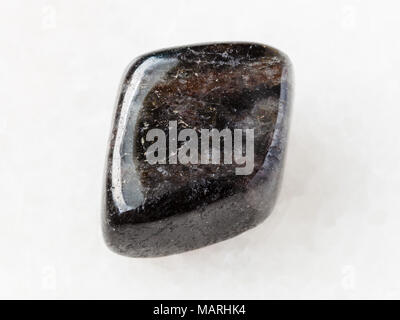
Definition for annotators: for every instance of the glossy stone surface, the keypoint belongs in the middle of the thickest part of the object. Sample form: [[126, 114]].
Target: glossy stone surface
[[160, 209]]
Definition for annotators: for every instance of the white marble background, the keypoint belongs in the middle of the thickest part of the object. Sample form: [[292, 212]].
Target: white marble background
[[335, 230]]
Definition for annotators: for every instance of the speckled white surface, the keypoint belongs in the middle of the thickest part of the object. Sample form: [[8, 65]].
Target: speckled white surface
[[334, 232]]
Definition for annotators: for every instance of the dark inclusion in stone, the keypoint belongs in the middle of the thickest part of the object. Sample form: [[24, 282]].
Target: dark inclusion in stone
[[160, 209]]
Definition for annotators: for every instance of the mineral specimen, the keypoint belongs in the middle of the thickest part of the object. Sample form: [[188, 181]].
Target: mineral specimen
[[236, 90]]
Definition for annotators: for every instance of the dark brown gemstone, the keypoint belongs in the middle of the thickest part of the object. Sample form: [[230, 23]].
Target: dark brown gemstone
[[169, 207]]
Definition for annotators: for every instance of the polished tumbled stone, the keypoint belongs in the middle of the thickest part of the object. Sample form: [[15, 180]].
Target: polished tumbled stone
[[161, 209]]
